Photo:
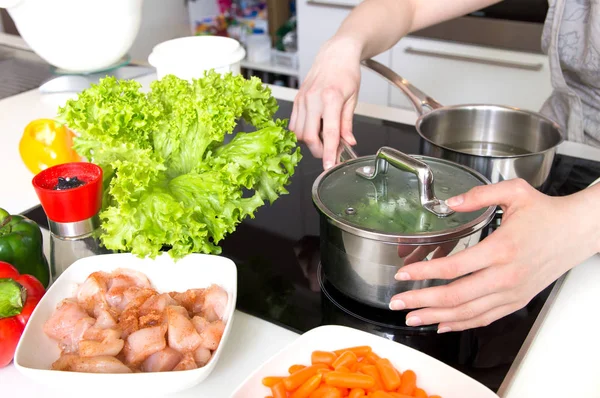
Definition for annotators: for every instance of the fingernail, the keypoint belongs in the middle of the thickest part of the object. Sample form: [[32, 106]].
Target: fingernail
[[455, 201], [402, 276], [328, 165], [414, 321], [445, 329], [397, 305]]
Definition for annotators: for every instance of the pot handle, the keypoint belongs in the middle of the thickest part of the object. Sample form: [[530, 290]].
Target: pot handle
[[402, 161], [416, 96]]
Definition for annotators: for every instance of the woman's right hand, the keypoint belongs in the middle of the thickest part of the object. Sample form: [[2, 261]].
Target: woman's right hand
[[329, 93]]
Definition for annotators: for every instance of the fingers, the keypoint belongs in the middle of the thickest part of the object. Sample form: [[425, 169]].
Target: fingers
[[294, 117], [482, 320], [459, 292], [312, 124], [347, 120], [463, 312], [333, 102], [466, 261], [503, 193]]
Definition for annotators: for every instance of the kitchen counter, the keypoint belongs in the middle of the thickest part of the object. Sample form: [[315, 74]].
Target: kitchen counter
[[556, 349]]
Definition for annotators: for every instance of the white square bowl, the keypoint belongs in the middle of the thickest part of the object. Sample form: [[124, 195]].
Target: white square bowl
[[434, 376], [36, 352]]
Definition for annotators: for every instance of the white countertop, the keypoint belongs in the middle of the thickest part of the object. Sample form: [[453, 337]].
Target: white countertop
[[552, 362]]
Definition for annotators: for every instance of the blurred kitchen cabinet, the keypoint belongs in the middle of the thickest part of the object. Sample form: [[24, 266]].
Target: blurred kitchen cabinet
[[454, 73]]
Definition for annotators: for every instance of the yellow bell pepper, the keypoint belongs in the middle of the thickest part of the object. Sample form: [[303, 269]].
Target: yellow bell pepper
[[46, 143]]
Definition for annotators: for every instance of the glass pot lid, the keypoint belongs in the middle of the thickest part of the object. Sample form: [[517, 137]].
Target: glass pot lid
[[399, 198]]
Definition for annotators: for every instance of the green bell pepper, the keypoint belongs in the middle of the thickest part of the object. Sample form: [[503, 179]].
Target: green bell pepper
[[21, 244]]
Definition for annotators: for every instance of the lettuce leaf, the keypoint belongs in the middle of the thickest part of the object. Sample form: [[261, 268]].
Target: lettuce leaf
[[171, 181]]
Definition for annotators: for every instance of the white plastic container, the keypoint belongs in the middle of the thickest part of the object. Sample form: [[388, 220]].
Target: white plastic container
[[189, 57], [259, 48]]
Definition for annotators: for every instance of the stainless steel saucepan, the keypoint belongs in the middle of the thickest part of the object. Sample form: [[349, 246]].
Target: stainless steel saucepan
[[381, 212], [500, 142]]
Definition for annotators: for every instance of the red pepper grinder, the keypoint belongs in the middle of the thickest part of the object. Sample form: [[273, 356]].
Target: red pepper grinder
[[71, 196]]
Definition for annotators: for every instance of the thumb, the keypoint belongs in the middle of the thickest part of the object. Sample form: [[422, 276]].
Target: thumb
[[504, 194]]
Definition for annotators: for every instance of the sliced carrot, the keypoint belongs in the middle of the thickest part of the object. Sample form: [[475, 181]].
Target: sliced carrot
[[372, 371], [408, 382], [357, 393], [347, 358], [389, 374], [298, 378], [348, 380], [326, 357], [420, 393], [307, 387], [360, 351], [295, 368], [372, 358], [270, 381], [278, 390]]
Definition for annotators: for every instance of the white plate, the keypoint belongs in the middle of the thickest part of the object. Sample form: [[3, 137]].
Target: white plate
[[433, 376], [36, 351]]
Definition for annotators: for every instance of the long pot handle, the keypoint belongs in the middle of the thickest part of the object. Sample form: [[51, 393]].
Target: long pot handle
[[416, 96]]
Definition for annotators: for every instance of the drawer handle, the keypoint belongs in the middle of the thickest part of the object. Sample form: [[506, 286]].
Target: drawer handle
[[486, 61]]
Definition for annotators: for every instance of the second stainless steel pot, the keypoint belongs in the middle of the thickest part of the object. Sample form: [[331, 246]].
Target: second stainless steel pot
[[379, 213], [500, 142]]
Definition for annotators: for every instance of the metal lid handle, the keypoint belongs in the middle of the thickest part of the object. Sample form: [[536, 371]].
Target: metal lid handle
[[387, 155]]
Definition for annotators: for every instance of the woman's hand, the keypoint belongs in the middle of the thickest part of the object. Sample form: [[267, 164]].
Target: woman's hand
[[330, 93], [540, 238]]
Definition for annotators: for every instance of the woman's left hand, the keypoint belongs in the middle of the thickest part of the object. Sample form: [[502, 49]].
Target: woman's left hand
[[540, 238]]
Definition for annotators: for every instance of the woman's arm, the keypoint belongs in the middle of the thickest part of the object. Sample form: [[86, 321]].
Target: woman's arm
[[330, 90], [376, 25]]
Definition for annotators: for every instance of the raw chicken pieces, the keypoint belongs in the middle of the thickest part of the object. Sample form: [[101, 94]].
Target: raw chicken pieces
[[117, 323]]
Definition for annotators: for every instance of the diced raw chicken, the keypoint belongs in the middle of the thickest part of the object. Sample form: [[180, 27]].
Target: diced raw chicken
[[192, 299], [91, 348], [98, 334], [202, 356], [100, 364], [70, 343], [61, 323], [186, 363], [128, 320], [143, 343], [93, 288], [211, 335], [104, 319], [157, 303], [122, 281], [200, 323], [162, 361], [215, 303], [182, 334], [135, 277]]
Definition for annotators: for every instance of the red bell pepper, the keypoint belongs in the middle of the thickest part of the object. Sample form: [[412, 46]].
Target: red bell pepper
[[19, 295]]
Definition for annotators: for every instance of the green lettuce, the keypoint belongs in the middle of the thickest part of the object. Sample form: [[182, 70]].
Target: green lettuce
[[171, 181]]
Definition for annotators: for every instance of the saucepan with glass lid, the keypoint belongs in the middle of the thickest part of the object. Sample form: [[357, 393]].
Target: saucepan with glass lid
[[383, 211]]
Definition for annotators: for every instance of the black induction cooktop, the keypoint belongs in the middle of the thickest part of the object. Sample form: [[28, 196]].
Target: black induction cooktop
[[279, 278]]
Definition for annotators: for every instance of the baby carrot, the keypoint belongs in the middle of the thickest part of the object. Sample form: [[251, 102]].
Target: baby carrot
[[354, 367], [343, 369], [295, 368], [398, 395], [372, 358], [357, 393], [346, 359], [307, 387], [326, 392], [270, 381], [348, 380], [372, 371], [278, 390], [389, 374], [326, 357], [381, 394], [323, 370], [408, 382], [360, 351], [296, 379], [420, 393], [435, 396]]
